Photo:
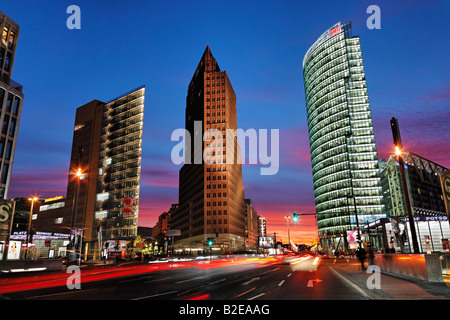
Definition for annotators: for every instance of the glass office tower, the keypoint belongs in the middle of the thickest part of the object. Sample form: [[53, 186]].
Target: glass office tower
[[343, 152], [107, 145], [11, 101]]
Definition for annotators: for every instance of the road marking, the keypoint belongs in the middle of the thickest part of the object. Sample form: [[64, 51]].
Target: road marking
[[281, 283], [62, 293], [160, 279], [221, 280], [289, 275], [241, 294], [155, 295], [196, 278], [311, 282], [354, 286], [269, 271], [255, 297], [250, 281]]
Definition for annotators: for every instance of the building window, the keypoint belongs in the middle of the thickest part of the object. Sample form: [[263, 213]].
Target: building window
[[7, 61], [5, 173], [16, 105], [5, 34], [12, 127], [9, 102], [2, 53], [8, 149], [12, 35]]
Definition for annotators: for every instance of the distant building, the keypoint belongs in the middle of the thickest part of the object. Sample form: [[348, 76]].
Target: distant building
[[48, 236], [145, 232], [251, 226], [262, 229], [11, 100], [161, 225]]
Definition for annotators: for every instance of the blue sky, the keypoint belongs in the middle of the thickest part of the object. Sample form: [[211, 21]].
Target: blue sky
[[260, 44]]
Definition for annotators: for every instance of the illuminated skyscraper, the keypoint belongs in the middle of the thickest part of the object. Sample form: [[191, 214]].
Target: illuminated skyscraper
[[343, 152], [106, 148], [11, 100], [211, 196]]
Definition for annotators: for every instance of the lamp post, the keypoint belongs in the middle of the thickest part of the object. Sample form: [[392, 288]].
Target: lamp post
[[398, 152], [353, 193], [29, 224], [289, 236], [78, 176]]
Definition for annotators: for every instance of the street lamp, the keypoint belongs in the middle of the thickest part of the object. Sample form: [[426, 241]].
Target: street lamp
[[29, 223], [78, 176]]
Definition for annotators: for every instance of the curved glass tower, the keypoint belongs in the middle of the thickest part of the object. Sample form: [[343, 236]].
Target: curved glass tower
[[342, 142]]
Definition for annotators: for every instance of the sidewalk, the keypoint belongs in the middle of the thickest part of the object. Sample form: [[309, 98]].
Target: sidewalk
[[392, 286]]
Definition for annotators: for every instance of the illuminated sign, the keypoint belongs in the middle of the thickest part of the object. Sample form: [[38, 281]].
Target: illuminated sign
[[53, 199], [266, 242], [129, 206], [335, 30]]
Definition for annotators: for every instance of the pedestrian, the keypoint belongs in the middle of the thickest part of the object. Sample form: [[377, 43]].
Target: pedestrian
[[362, 255]]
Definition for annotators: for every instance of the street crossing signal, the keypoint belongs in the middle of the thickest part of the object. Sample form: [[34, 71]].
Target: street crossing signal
[[295, 217]]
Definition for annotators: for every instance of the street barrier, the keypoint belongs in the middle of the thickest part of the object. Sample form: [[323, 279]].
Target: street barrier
[[419, 266]]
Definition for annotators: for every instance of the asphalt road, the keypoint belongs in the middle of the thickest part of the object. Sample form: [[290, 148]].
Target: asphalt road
[[295, 280]]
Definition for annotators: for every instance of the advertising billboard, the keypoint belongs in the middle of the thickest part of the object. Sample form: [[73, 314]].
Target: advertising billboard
[[14, 250], [266, 242], [352, 237], [129, 206]]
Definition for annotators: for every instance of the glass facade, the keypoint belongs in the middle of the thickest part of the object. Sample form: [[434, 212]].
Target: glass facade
[[11, 100], [117, 198], [343, 152]]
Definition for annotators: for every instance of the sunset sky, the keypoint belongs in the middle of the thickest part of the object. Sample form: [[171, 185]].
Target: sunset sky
[[261, 45]]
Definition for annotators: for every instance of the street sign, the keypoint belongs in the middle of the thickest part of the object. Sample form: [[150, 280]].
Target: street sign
[[6, 220], [174, 233]]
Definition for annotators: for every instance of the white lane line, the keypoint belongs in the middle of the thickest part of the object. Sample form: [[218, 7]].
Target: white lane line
[[289, 275], [354, 286], [196, 278], [62, 293], [257, 296], [250, 281], [155, 295], [155, 280], [281, 283], [214, 282]]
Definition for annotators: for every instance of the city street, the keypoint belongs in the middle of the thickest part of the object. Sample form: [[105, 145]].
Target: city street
[[297, 278]]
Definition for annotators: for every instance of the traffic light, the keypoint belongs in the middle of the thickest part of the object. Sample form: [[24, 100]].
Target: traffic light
[[210, 241], [295, 217]]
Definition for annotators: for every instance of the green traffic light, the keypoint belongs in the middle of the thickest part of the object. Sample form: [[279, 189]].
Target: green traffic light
[[295, 217]]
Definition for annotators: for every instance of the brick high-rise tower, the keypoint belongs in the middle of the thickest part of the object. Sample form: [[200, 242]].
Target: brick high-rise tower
[[211, 195]]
